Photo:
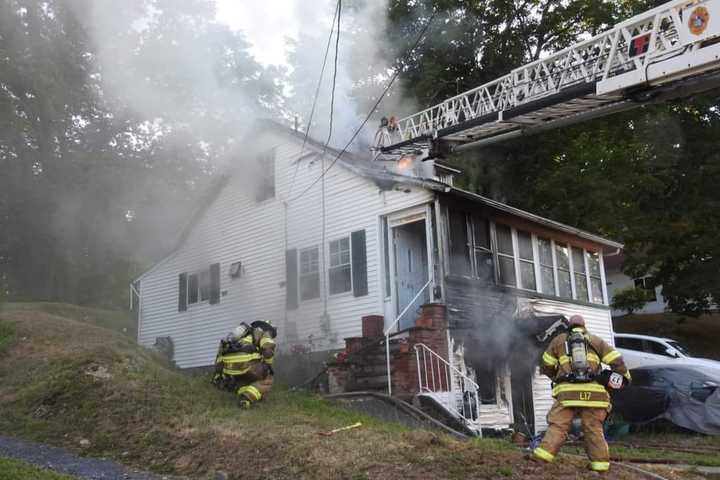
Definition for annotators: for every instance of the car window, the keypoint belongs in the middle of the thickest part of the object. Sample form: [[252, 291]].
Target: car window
[[655, 347], [629, 343], [679, 348]]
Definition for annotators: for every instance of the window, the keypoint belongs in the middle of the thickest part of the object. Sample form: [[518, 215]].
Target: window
[[309, 274], [547, 276], [506, 256], [340, 272], [527, 261], [459, 259], [199, 287], [562, 256], [646, 284], [266, 169], [629, 343], [581, 288], [596, 293], [480, 249], [656, 348]]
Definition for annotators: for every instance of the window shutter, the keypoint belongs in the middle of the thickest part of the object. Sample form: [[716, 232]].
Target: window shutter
[[214, 283], [291, 279], [182, 293], [359, 263]]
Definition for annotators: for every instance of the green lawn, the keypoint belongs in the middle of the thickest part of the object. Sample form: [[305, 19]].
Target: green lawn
[[15, 470]]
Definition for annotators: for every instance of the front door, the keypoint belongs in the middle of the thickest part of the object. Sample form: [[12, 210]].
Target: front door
[[411, 269]]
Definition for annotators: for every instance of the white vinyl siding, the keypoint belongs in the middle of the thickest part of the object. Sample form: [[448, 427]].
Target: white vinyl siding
[[238, 228]]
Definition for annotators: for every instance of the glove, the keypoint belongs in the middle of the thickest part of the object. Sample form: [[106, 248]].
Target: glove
[[612, 380]]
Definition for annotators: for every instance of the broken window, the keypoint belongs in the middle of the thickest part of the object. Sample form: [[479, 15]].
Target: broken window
[[340, 280], [459, 259], [266, 169], [581, 286], [547, 276], [309, 274], [506, 255], [527, 261], [562, 256]]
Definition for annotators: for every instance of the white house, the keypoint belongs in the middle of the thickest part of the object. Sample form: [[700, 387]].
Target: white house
[[617, 281], [312, 253]]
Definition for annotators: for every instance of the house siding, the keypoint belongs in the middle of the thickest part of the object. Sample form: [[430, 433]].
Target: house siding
[[237, 228], [617, 281]]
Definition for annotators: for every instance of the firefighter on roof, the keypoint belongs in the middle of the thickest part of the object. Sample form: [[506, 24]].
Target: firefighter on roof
[[580, 388], [244, 362]]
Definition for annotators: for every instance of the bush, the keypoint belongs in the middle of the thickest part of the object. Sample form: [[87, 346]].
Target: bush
[[630, 299]]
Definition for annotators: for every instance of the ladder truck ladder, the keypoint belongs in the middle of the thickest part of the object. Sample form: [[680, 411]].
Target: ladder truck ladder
[[671, 51]]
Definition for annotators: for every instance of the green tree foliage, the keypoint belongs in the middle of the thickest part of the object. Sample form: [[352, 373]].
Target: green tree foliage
[[630, 300], [112, 117]]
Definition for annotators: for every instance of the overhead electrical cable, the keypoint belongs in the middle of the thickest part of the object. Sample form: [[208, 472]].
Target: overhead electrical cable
[[373, 109], [317, 92]]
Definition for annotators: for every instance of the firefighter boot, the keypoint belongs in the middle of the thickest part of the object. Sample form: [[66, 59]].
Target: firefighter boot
[[559, 420], [595, 444]]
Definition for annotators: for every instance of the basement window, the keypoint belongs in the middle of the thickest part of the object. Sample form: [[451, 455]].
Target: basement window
[[309, 274], [340, 271]]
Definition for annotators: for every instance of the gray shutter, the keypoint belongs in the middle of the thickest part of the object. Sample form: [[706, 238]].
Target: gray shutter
[[291, 279], [182, 293], [214, 283], [359, 263]]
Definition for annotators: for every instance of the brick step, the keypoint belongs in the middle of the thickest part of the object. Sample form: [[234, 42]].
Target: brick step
[[371, 370], [369, 383], [374, 359]]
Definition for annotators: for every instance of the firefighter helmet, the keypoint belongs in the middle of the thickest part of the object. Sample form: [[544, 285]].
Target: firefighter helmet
[[576, 321], [266, 326]]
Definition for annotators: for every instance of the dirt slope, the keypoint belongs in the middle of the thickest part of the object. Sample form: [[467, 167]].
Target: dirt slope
[[62, 381]]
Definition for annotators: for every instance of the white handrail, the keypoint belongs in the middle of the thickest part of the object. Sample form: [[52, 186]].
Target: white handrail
[[467, 384], [387, 333]]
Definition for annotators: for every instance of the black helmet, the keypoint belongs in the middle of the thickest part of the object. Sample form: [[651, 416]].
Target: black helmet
[[266, 326]]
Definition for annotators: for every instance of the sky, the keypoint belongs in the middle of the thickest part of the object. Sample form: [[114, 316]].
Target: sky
[[268, 23]]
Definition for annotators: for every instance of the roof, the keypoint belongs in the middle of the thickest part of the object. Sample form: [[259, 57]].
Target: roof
[[384, 178]]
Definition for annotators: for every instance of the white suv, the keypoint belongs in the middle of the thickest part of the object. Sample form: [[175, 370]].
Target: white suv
[[644, 350]]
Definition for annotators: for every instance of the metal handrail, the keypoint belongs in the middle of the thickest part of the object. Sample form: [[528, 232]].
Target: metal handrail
[[387, 333], [468, 385]]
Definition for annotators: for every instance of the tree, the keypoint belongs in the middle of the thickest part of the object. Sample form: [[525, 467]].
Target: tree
[[630, 299]]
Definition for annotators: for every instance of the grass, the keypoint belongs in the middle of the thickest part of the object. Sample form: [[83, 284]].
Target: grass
[[700, 335], [64, 380], [15, 470]]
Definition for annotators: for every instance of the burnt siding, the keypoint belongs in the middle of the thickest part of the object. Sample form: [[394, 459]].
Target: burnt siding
[[472, 303]]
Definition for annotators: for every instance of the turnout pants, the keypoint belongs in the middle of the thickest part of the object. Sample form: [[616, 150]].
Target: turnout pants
[[559, 422], [254, 391]]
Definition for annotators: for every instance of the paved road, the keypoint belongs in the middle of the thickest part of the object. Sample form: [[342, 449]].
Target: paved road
[[62, 461]]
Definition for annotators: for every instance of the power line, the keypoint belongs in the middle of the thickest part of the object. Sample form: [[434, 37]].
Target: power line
[[317, 92], [372, 110]]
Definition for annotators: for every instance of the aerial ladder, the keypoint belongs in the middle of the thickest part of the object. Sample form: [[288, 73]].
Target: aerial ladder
[[669, 52]]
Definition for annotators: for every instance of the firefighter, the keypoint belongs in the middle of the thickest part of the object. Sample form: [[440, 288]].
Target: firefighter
[[580, 389], [244, 363]]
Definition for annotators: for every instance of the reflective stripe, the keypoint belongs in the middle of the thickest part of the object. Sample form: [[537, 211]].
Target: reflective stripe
[[628, 376], [241, 357], [600, 466], [266, 340], [233, 371], [578, 387], [564, 359], [269, 361], [584, 403], [549, 359], [593, 358], [543, 454], [249, 389], [247, 339], [613, 355]]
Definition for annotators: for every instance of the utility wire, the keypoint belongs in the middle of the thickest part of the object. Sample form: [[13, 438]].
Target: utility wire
[[317, 92], [327, 142], [373, 109]]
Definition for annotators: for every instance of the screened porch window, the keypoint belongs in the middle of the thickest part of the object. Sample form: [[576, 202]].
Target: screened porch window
[[506, 255]]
